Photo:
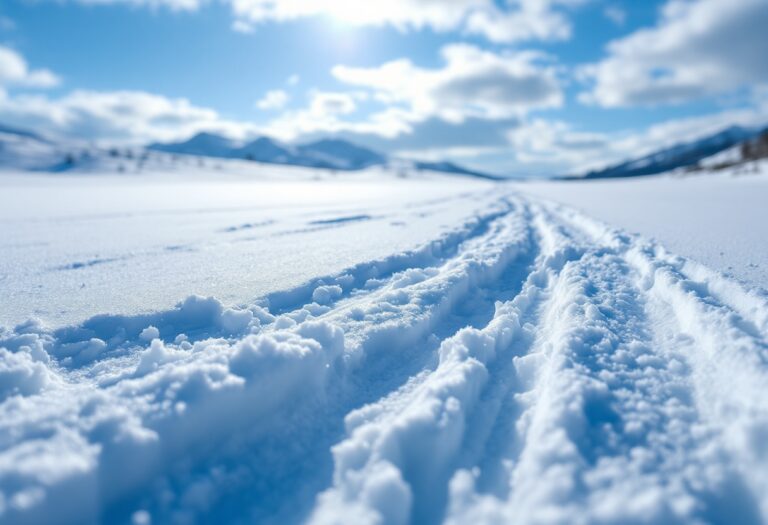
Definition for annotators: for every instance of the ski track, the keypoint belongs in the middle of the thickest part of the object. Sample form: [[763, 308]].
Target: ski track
[[530, 366]]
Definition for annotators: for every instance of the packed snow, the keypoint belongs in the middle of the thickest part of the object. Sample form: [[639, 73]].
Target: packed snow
[[369, 349], [716, 218]]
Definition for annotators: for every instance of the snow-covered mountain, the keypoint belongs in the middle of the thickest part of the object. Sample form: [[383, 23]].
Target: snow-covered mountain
[[678, 156], [340, 154], [745, 152], [264, 149], [28, 151], [25, 150], [450, 167], [208, 144], [325, 153]]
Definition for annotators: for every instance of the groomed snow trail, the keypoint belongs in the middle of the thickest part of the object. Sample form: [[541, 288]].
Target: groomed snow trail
[[530, 366]]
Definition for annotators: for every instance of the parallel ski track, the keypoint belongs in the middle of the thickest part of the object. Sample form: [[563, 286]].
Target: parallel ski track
[[536, 366]]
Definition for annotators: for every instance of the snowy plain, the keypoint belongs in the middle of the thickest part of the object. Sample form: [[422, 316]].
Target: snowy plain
[[80, 245], [371, 349], [716, 218]]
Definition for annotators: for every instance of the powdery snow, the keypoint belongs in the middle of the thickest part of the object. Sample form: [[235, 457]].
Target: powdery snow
[[74, 246], [524, 364], [717, 218]]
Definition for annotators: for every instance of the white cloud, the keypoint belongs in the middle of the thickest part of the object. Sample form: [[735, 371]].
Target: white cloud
[[503, 21], [474, 86], [404, 14], [324, 115], [510, 21], [14, 71], [698, 48], [324, 104], [242, 27], [615, 14], [174, 5], [528, 20], [274, 99], [128, 116], [558, 145], [473, 83], [439, 153]]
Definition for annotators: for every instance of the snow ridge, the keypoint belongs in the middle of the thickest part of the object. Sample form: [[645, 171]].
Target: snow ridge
[[531, 366]]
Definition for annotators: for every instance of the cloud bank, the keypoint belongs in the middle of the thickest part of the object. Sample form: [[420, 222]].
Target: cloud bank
[[697, 49], [14, 71]]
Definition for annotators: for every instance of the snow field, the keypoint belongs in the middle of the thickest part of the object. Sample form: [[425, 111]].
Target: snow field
[[531, 365], [714, 217]]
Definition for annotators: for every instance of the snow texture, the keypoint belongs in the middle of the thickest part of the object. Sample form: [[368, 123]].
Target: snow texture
[[717, 218], [528, 365], [78, 245]]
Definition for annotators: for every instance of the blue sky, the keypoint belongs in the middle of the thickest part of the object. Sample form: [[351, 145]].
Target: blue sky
[[510, 86]]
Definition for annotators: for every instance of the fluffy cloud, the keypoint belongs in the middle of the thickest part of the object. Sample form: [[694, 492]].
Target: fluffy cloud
[[464, 106], [403, 14], [14, 71], [525, 20], [557, 143], [473, 83], [698, 48], [506, 21], [438, 139], [129, 116], [510, 21], [324, 104], [615, 14], [174, 5], [274, 99], [326, 112], [559, 146]]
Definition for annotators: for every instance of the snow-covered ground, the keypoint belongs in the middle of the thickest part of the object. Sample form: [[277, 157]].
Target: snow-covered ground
[[381, 350], [716, 218], [79, 245]]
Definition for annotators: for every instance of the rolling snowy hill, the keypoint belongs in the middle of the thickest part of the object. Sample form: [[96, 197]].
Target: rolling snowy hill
[[22, 149]]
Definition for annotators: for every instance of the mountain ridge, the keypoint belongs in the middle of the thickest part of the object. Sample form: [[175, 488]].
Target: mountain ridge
[[681, 155], [327, 153], [28, 150]]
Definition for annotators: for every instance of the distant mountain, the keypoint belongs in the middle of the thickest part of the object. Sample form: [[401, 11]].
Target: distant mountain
[[23, 149], [449, 167], [334, 154], [202, 144], [264, 149], [340, 154], [8, 130], [755, 148], [326, 153], [679, 156]]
